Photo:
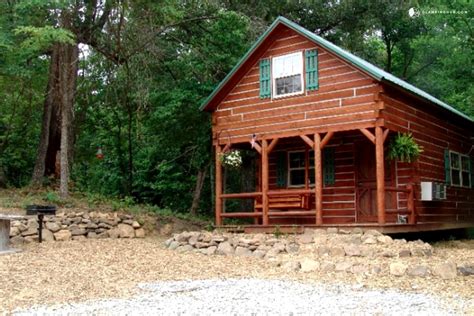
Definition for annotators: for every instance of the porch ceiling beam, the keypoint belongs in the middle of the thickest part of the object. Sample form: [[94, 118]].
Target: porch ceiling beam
[[326, 139], [385, 134], [307, 140], [272, 144], [368, 134]]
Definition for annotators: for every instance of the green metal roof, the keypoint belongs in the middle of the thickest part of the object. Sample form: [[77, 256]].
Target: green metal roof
[[369, 68]]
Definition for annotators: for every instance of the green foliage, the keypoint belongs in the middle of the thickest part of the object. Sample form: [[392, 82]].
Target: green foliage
[[404, 148], [39, 39], [277, 231], [52, 197], [138, 96]]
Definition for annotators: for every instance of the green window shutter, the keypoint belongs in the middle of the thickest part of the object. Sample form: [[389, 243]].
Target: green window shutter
[[265, 80], [329, 166], [447, 167], [311, 64], [472, 172], [281, 169]]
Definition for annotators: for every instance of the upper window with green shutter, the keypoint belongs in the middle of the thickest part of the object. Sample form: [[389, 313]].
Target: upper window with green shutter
[[287, 71], [265, 79], [311, 65], [282, 76]]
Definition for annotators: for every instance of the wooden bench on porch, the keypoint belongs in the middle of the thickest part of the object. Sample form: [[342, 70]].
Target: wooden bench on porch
[[286, 202], [280, 203]]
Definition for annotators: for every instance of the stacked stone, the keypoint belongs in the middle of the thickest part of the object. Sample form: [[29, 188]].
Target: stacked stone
[[76, 226], [207, 243], [335, 250]]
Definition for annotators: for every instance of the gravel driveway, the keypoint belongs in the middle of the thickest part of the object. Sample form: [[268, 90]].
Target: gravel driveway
[[258, 297]]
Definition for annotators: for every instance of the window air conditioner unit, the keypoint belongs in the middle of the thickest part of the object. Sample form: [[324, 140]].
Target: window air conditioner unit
[[433, 191]]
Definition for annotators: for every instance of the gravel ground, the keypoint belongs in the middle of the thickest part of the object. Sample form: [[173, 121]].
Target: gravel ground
[[257, 297], [73, 272]]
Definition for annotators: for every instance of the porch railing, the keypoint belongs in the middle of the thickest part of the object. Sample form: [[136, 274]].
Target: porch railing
[[408, 190]]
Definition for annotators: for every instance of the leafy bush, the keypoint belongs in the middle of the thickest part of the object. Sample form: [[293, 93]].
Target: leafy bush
[[52, 197]]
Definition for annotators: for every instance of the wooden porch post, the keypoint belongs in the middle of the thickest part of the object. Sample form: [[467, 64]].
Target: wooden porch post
[[380, 174], [218, 186], [411, 204], [318, 179], [264, 182]]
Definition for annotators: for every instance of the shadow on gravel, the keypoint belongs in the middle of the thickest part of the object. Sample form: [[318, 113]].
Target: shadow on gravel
[[438, 236]]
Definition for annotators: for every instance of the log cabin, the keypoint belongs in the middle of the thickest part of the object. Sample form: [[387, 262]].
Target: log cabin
[[320, 119]]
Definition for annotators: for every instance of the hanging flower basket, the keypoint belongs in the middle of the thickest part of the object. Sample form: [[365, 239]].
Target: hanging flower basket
[[404, 148], [231, 158]]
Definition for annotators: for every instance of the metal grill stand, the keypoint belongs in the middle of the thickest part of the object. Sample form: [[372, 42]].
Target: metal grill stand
[[41, 211]]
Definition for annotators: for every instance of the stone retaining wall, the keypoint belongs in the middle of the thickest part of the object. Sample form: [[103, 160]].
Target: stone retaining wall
[[332, 250], [76, 226]]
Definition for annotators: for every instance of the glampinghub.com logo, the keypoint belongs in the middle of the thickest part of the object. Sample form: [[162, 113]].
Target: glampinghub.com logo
[[415, 12]]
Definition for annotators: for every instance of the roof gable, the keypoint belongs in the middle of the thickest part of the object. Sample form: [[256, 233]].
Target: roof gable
[[259, 47]]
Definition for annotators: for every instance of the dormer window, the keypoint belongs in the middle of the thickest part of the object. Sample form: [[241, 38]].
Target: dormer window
[[287, 73], [282, 76]]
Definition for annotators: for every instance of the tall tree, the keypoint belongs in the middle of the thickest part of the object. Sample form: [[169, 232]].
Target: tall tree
[[85, 21]]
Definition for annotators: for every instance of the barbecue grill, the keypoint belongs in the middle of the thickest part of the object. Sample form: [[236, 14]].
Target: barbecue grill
[[41, 211]]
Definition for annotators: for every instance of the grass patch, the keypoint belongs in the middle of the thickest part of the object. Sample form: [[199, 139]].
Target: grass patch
[[20, 198]]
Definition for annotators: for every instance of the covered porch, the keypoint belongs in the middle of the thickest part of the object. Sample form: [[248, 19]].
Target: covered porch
[[331, 178]]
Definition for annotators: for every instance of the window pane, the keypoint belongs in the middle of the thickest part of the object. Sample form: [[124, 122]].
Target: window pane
[[465, 179], [297, 177], [454, 160], [311, 176], [297, 160], [455, 177], [465, 163], [288, 65], [287, 85]]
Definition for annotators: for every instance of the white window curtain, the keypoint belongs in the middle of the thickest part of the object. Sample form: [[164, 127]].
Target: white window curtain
[[287, 65]]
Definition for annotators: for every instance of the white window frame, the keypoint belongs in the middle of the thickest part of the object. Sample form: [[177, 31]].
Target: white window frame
[[460, 170], [301, 72], [289, 169]]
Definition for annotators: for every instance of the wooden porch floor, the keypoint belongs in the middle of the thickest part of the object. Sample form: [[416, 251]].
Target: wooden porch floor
[[386, 229]]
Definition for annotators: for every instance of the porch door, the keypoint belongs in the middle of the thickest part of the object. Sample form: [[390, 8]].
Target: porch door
[[366, 186]]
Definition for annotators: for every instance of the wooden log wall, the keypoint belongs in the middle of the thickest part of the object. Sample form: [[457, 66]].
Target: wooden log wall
[[435, 133], [345, 100]]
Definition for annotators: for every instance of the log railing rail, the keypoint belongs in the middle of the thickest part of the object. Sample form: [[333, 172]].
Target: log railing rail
[[258, 213]]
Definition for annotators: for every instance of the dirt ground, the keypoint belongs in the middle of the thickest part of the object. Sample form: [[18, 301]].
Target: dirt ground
[[62, 272]]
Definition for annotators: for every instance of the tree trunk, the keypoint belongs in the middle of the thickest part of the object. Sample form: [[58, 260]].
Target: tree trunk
[[49, 139], [3, 177], [130, 150], [388, 47], [60, 92], [201, 176], [68, 75]]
